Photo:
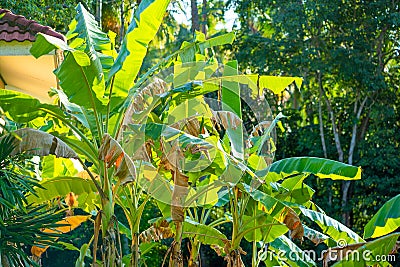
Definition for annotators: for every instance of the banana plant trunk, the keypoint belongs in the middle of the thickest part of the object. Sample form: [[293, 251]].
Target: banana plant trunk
[[135, 250], [178, 215], [194, 254], [234, 259], [110, 255]]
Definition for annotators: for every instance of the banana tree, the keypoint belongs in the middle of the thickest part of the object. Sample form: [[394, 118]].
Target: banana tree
[[220, 159], [97, 86], [142, 137], [94, 82]]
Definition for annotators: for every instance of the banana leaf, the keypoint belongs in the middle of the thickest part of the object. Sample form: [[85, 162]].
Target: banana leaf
[[385, 221]]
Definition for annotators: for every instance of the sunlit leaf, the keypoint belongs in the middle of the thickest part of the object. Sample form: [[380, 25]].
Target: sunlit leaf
[[385, 221]]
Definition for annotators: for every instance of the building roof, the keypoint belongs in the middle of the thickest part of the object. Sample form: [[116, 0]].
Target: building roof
[[18, 28]]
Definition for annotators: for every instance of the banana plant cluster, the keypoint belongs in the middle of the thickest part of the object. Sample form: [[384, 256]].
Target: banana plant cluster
[[174, 135]]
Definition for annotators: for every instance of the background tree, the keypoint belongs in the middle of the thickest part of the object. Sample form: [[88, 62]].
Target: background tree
[[347, 53]]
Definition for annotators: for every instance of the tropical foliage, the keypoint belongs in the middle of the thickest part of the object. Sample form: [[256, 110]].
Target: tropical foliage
[[191, 137]]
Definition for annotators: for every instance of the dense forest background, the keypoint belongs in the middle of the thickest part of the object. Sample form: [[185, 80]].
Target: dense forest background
[[347, 52]]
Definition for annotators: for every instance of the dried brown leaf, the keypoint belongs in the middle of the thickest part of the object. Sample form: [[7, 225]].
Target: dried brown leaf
[[156, 232], [111, 153], [293, 222], [157, 87], [179, 194], [227, 119], [39, 143]]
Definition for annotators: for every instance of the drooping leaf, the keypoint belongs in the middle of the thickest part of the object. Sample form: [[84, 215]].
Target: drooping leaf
[[84, 116], [231, 101], [226, 38], [112, 153], [385, 221], [39, 143], [45, 43], [255, 82], [331, 227], [278, 85], [156, 232], [295, 190], [317, 237], [323, 168], [278, 210], [261, 228], [222, 39]]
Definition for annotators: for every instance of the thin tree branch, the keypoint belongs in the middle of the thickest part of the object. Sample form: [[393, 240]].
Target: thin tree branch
[[321, 123], [334, 126]]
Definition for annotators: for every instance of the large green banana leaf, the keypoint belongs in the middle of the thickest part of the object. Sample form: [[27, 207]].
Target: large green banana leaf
[[261, 227], [23, 108], [331, 227], [386, 220], [323, 168], [294, 190], [54, 167], [85, 116], [188, 49], [61, 186], [86, 28], [86, 35], [231, 101], [143, 27], [206, 234], [81, 78], [273, 206], [203, 86]]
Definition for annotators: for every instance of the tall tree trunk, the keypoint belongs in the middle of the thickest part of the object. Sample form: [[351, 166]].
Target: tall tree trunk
[[204, 18], [195, 16], [122, 18], [321, 130], [346, 184], [334, 127], [321, 122], [99, 7]]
